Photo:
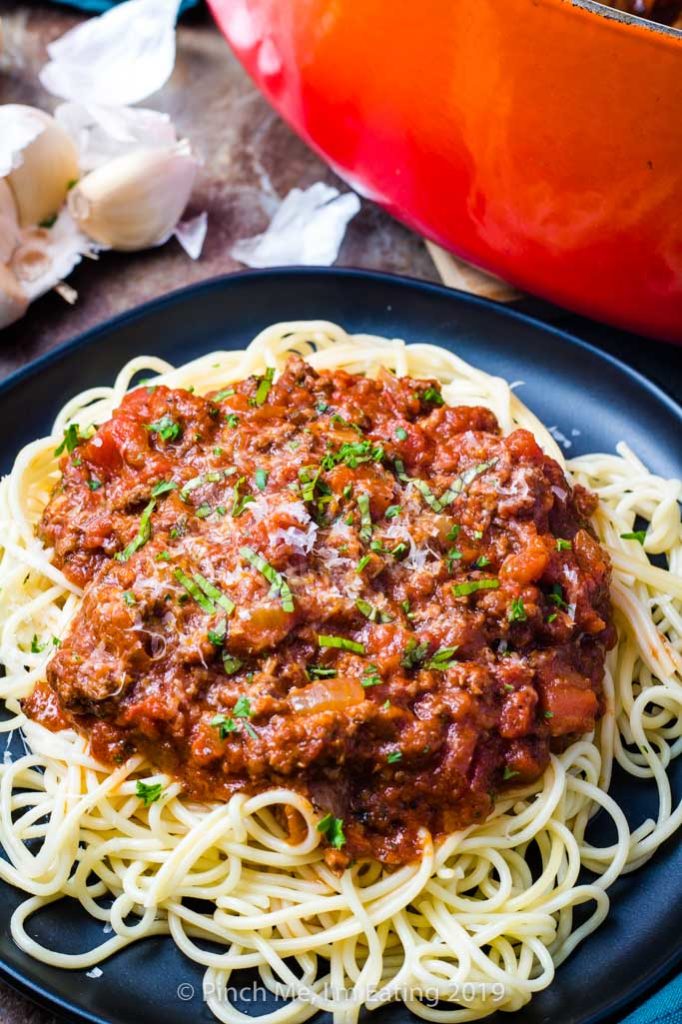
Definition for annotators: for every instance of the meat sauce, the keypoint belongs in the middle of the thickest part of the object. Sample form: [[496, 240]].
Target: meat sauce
[[331, 583]]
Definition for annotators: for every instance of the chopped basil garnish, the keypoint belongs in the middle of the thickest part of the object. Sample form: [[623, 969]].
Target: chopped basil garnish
[[442, 659], [365, 518], [471, 586], [278, 584], [240, 501], [143, 534], [517, 610], [557, 596], [163, 487], [204, 478], [638, 535], [36, 646], [214, 593], [352, 453], [400, 471], [371, 612], [231, 663], [217, 636], [432, 396], [72, 437], [242, 708], [332, 829], [371, 677], [414, 654], [453, 555], [224, 725], [263, 389], [221, 395], [462, 482], [428, 495], [321, 672], [148, 793], [195, 591], [341, 642], [166, 428]]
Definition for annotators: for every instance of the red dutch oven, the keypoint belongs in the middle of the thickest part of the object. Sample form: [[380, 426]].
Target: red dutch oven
[[539, 139]]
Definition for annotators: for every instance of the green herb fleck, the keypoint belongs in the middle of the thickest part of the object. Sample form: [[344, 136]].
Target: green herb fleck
[[432, 396], [263, 389], [321, 672], [325, 640], [332, 829], [278, 584], [143, 534], [163, 487], [148, 793], [442, 659], [471, 586], [517, 610], [394, 757], [261, 479], [414, 654], [563, 545], [371, 677], [365, 518], [166, 428], [638, 535], [72, 437], [401, 434]]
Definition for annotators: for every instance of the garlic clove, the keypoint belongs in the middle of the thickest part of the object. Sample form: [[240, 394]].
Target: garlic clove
[[10, 233], [135, 201], [49, 166], [13, 299]]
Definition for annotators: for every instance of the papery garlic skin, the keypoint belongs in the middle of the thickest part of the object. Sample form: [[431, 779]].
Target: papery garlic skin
[[10, 233], [49, 166], [13, 299], [135, 201]]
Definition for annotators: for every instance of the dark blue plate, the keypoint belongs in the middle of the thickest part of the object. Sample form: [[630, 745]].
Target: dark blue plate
[[592, 398]]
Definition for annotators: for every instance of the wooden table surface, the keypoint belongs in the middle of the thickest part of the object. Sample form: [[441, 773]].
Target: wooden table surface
[[249, 155]]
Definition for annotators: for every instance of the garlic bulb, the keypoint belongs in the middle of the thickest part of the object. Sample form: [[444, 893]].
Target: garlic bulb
[[135, 201], [10, 233], [13, 300], [49, 165]]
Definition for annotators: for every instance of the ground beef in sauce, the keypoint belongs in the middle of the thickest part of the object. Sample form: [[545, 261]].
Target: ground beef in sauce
[[453, 571]]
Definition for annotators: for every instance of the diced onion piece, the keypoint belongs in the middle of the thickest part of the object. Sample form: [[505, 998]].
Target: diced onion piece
[[327, 695]]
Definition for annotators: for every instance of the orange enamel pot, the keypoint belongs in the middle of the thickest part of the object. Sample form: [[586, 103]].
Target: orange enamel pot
[[539, 139]]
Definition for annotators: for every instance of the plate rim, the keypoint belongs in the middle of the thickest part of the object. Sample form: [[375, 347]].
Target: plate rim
[[35, 991]]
